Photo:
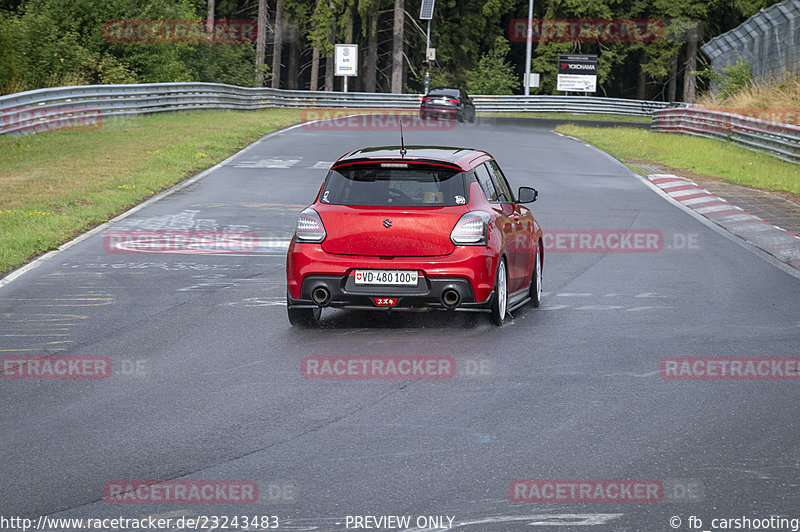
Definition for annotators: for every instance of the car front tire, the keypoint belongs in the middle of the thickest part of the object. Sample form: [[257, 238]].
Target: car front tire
[[500, 301]]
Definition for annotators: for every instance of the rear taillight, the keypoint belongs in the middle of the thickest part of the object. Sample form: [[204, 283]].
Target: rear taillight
[[427, 100], [471, 229], [452, 101], [309, 227]]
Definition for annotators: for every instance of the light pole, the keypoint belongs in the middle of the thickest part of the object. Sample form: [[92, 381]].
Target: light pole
[[427, 47], [426, 13], [528, 43]]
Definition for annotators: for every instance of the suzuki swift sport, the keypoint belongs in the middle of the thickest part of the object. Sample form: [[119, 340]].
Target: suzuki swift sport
[[420, 228]]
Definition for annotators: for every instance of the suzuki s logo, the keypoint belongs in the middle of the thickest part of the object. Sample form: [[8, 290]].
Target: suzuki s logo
[[387, 223]]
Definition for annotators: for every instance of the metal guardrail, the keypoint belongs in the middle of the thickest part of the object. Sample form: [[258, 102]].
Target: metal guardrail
[[773, 138], [43, 109], [87, 106], [569, 104]]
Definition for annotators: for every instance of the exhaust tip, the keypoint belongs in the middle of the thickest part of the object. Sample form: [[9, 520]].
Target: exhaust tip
[[451, 298], [321, 296]]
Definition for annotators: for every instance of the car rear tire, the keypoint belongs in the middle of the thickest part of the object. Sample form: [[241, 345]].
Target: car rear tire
[[500, 301], [536, 281], [302, 317]]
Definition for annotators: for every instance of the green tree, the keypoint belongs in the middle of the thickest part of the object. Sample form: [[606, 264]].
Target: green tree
[[494, 74], [733, 79], [461, 31]]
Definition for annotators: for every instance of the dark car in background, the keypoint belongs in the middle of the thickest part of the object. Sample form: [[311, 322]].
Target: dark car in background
[[449, 103]]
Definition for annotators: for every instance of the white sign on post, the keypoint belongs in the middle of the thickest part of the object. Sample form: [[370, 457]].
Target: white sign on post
[[577, 73], [576, 83], [534, 80], [346, 60]]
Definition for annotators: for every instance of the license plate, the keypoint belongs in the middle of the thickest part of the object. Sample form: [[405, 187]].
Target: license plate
[[387, 277]]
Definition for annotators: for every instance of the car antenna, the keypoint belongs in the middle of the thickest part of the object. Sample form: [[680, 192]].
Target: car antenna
[[402, 144]]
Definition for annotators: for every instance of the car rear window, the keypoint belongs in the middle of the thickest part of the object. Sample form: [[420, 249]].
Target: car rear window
[[394, 184], [444, 92]]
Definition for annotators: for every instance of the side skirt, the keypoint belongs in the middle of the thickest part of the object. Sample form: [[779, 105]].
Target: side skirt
[[518, 299]]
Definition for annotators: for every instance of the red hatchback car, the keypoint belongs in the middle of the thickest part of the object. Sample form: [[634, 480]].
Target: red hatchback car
[[415, 228]]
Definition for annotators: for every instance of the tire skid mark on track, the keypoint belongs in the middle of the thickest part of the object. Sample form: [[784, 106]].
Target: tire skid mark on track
[[603, 301], [565, 519], [607, 307]]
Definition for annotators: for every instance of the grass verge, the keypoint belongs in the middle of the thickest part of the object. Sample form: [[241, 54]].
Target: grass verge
[[58, 184], [775, 101], [573, 116], [697, 155]]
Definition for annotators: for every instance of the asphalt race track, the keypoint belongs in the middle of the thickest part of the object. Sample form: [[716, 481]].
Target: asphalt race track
[[206, 382]]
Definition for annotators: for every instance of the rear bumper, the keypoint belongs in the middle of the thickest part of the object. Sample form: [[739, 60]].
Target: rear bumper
[[448, 113], [428, 294], [469, 270]]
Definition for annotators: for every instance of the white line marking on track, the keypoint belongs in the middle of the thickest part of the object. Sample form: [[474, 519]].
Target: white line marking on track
[[267, 163], [717, 208], [671, 184], [755, 227], [687, 192], [695, 201], [740, 218], [664, 179]]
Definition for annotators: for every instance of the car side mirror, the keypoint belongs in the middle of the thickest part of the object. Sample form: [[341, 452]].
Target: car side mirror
[[527, 195]]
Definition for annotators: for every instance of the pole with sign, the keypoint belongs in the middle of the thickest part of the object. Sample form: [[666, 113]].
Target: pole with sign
[[346, 63], [577, 73], [528, 45], [426, 13]]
